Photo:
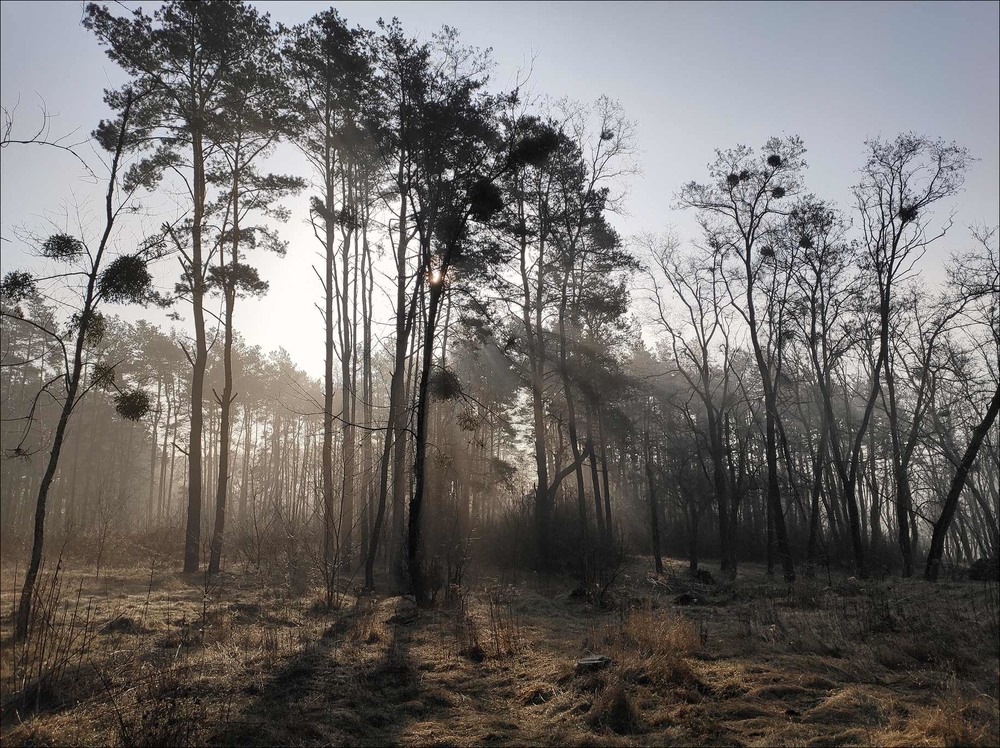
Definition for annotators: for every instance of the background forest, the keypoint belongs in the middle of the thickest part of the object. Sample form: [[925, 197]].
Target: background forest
[[786, 386], [509, 383]]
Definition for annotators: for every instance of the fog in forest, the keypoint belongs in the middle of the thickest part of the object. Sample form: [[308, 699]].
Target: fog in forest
[[356, 389]]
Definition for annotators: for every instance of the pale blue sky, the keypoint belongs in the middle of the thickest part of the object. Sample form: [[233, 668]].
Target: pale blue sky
[[695, 76]]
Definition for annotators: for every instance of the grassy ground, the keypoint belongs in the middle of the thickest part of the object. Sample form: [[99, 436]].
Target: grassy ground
[[150, 657]]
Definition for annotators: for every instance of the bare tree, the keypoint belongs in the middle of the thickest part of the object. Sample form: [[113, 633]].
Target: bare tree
[[738, 209]]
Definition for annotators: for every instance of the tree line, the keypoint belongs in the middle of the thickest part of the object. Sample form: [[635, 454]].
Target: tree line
[[783, 386]]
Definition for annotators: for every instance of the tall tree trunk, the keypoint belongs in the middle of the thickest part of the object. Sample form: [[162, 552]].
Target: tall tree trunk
[[816, 488], [347, 391], [192, 534], [245, 476], [153, 443], [226, 401], [25, 603], [414, 547], [654, 514], [329, 240], [595, 479], [770, 386], [604, 473], [394, 433]]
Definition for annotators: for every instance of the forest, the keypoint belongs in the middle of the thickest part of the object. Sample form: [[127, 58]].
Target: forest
[[556, 484]]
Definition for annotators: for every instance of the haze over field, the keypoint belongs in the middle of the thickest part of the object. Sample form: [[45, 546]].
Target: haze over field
[[500, 373]]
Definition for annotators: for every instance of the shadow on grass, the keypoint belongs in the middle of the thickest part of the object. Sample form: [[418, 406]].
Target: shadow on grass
[[336, 691], [46, 696]]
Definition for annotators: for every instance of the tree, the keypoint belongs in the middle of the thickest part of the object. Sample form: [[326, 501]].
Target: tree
[[257, 116], [124, 279], [403, 64], [182, 55], [561, 280], [331, 74], [456, 142], [975, 279], [696, 329], [901, 180], [738, 209], [826, 279]]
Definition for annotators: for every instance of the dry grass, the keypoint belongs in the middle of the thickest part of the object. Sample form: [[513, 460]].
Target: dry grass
[[155, 658]]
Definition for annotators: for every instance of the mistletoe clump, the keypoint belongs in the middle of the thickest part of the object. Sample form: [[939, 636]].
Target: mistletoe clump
[[126, 280], [132, 405], [62, 247]]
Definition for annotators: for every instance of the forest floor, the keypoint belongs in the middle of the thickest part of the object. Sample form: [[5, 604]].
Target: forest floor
[[157, 658]]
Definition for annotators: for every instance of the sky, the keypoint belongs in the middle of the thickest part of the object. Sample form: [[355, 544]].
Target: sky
[[693, 76]]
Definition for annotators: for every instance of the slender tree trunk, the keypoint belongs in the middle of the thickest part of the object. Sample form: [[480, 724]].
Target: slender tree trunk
[[192, 534], [22, 618], [654, 514], [532, 317], [414, 543], [245, 476], [329, 239], [401, 477], [394, 433], [957, 484], [595, 480], [153, 443], [347, 397], [25, 603], [817, 486], [771, 416], [226, 402], [162, 488]]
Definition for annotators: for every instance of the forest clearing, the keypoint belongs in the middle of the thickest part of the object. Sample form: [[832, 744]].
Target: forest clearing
[[364, 384], [158, 658]]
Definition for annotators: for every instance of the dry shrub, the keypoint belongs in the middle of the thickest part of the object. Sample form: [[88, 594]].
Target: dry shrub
[[959, 718], [813, 632], [615, 710], [650, 646], [985, 604], [505, 620], [42, 672], [875, 612], [369, 628], [464, 626], [164, 710]]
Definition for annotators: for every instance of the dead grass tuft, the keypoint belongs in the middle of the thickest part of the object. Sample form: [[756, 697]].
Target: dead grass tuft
[[615, 710], [649, 646], [969, 722], [957, 718], [853, 705]]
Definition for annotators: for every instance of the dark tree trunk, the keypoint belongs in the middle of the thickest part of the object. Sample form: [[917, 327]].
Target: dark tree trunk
[[192, 534], [395, 428], [414, 547], [957, 484], [654, 514]]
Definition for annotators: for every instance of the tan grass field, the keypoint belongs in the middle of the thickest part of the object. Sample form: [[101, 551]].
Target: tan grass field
[[150, 657]]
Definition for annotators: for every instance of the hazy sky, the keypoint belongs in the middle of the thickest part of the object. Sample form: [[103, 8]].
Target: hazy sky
[[694, 76]]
